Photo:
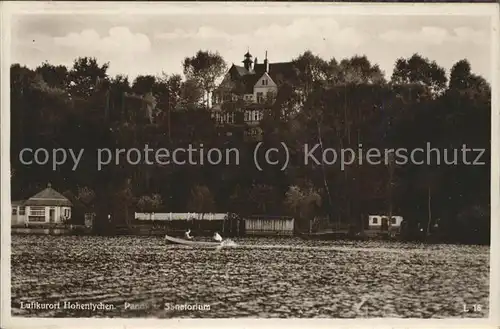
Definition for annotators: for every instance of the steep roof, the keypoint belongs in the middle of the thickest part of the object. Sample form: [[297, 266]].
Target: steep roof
[[249, 82], [241, 70], [48, 197], [279, 72]]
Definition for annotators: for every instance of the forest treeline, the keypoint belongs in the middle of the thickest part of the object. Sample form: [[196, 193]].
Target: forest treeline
[[338, 104]]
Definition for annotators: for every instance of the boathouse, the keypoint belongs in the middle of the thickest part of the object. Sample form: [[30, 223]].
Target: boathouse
[[269, 225], [227, 224], [48, 206]]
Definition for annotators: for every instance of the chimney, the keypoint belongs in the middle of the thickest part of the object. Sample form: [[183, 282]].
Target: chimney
[[255, 62], [266, 64]]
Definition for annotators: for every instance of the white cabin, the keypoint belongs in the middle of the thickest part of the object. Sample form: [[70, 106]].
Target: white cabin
[[375, 221], [47, 206]]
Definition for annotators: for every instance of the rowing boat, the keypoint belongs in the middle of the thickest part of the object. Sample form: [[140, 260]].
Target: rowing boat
[[192, 243]]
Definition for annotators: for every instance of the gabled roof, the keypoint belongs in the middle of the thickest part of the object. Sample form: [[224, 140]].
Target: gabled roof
[[265, 75], [249, 82], [48, 197], [279, 73], [241, 70]]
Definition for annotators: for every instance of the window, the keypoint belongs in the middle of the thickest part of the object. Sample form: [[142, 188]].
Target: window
[[264, 82], [67, 212], [255, 115], [37, 211], [375, 220], [14, 210], [37, 214], [22, 211], [218, 117], [393, 220], [260, 97]]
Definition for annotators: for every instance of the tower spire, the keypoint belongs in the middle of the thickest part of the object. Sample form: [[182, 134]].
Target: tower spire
[[248, 61]]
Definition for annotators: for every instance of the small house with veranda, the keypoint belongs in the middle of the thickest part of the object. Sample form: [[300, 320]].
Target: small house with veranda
[[46, 207]]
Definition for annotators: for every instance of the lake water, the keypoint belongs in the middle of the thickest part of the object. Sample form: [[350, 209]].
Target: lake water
[[265, 277]]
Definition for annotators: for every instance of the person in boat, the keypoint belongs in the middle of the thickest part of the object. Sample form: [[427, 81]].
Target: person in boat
[[217, 237], [187, 235]]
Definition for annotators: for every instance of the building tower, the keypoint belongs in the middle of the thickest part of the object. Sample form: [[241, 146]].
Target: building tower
[[266, 64], [248, 61]]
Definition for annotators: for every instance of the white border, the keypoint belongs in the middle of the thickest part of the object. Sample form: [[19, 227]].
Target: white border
[[8, 8]]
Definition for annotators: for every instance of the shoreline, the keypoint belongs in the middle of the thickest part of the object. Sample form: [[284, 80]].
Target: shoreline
[[304, 237]]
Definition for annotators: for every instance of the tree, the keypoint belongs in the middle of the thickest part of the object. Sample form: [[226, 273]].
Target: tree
[[86, 75], [463, 81], [460, 75], [119, 87], [143, 84], [421, 71], [201, 200], [150, 203], [169, 90], [310, 70], [239, 200], [205, 68], [54, 76], [122, 201], [359, 70], [86, 195], [190, 94], [303, 204], [263, 198]]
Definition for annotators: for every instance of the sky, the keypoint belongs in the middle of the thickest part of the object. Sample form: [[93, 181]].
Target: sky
[[151, 44]]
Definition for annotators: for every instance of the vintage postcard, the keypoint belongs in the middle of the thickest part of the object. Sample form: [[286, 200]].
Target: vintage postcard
[[266, 164]]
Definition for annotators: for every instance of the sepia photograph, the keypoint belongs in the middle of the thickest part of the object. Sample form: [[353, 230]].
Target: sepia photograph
[[249, 161]]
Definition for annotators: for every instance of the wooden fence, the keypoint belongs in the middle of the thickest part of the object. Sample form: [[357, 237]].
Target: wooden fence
[[269, 225]]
